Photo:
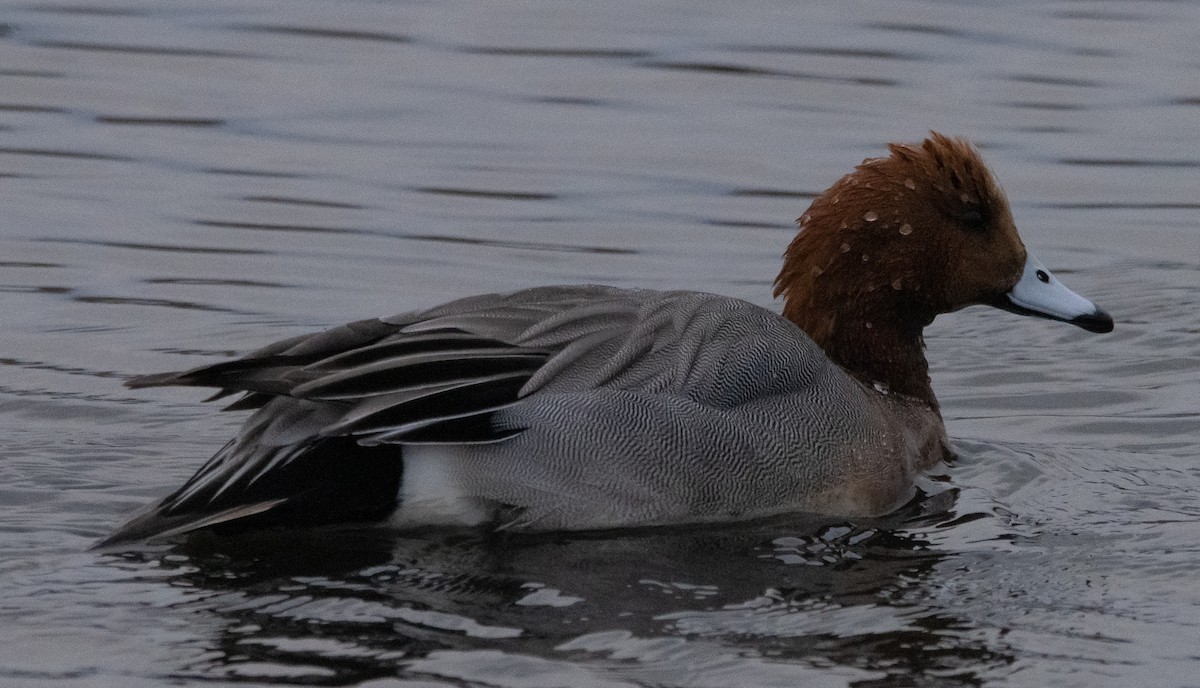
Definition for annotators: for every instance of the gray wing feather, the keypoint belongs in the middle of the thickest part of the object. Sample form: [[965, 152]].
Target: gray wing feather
[[557, 339], [443, 376]]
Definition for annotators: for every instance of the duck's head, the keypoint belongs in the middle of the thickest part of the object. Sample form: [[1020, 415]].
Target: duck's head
[[903, 238]]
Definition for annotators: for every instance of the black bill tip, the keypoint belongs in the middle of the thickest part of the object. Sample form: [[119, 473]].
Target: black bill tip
[[1099, 321]]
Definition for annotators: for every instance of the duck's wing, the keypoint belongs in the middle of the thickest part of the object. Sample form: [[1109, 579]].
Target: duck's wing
[[436, 375], [325, 400], [430, 376]]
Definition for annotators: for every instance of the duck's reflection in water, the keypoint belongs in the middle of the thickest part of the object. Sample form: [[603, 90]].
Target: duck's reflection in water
[[759, 603]]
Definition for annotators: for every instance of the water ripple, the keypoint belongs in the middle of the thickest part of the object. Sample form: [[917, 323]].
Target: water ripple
[[316, 203], [744, 70], [486, 193], [130, 49], [55, 153], [163, 248], [160, 121], [325, 32]]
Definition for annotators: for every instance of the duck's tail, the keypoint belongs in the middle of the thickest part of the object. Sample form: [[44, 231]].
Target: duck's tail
[[328, 481]]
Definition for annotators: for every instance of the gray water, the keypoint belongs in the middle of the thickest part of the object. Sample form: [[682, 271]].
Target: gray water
[[185, 181]]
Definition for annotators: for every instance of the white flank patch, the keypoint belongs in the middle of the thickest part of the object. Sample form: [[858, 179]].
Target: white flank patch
[[430, 493]]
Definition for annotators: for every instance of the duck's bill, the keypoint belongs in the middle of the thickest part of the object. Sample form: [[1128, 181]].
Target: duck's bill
[[1039, 293]]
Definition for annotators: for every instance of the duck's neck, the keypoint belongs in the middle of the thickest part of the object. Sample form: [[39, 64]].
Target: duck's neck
[[866, 331]]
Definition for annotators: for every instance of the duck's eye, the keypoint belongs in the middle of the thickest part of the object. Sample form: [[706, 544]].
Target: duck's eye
[[973, 219]]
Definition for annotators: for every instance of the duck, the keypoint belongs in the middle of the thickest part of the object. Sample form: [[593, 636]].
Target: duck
[[591, 407]]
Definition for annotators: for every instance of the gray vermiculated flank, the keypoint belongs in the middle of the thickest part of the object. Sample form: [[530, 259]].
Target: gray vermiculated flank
[[599, 406]]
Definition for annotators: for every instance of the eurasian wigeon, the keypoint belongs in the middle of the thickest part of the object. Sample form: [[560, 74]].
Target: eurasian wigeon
[[585, 407]]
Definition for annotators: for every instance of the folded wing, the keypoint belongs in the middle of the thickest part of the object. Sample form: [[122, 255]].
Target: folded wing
[[323, 400]]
